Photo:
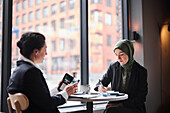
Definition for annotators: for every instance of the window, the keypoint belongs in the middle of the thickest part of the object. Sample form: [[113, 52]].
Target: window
[[37, 28], [62, 6], [108, 3], [71, 22], [18, 6], [53, 46], [71, 4], [30, 3], [62, 23], [38, 14], [109, 40], [24, 18], [53, 25], [53, 9], [24, 4], [30, 16], [45, 27], [108, 19], [45, 12], [100, 41], [62, 28], [75, 62], [62, 44], [17, 20], [72, 44], [37, 2], [96, 16], [59, 64], [96, 1]]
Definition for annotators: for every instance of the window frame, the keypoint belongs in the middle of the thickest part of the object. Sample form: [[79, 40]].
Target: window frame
[[7, 43]]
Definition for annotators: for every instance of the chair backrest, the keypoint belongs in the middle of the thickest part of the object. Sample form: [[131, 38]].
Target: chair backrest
[[18, 102]]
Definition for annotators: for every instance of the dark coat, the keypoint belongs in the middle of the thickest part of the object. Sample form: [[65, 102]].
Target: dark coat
[[29, 80], [137, 87]]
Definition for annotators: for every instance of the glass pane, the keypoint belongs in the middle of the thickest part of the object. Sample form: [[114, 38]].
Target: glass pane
[[105, 29], [61, 27], [1, 8]]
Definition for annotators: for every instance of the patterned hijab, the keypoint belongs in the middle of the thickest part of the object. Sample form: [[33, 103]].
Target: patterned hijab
[[127, 47]]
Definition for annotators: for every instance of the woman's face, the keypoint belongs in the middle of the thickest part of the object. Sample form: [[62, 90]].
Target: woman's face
[[41, 54], [122, 57]]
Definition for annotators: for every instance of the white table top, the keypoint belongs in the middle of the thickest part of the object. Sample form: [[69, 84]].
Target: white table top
[[91, 98]]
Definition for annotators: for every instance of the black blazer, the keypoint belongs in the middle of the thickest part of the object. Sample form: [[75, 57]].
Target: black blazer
[[137, 87], [29, 80]]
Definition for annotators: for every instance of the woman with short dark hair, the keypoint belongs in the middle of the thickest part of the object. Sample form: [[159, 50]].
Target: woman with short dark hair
[[28, 79]]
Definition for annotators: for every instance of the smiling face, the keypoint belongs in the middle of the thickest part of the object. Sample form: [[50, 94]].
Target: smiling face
[[122, 57]]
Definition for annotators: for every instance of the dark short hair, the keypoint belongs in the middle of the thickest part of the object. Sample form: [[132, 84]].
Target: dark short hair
[[30, 41]]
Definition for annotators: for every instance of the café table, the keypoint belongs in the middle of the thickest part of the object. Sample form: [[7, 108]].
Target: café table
[[90, 98]]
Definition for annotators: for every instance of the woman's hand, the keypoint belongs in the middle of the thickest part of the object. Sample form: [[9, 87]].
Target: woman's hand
[[101, 88], [71, 88]]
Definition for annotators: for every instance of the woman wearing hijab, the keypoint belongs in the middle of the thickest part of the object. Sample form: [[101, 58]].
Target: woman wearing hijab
[[126, 76], [28, 78]]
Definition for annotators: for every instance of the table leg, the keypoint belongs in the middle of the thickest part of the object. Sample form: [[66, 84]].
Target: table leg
[[89, 107]]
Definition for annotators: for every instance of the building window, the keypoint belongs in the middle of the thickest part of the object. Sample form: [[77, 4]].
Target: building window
[[37, 28], [75, 62], [109, 40], [37, 16], [71, 22], [24, 18], [59, 64], [45, 12], [108, 3], [96, 1], [17, 20], [72, 44], [62, 6], [30, 16], [53, 9], [24, 4], [62, 44], [53, 46], [53, 25], [30, 3], [38, 2], [45, 27], [108, 19], [96, 16], [18, 6], [71, 4], [62, 23]]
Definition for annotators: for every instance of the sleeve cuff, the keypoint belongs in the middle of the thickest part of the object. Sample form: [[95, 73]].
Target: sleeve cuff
[[64, 94], [54, 91]]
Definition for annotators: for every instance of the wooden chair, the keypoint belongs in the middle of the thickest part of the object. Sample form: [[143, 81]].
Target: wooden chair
[[18, 102]]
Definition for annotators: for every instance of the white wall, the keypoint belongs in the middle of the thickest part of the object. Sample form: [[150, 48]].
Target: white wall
[[146, 15]]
